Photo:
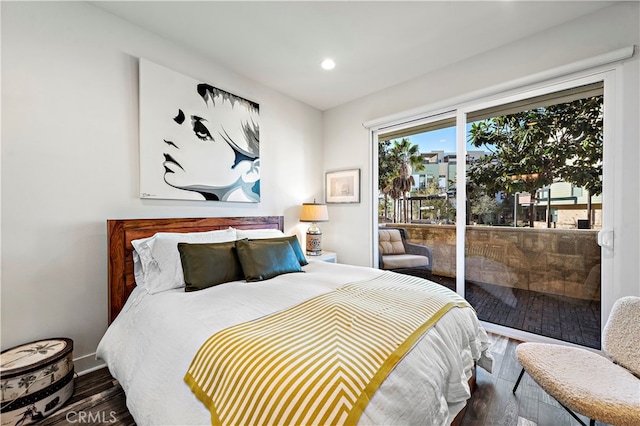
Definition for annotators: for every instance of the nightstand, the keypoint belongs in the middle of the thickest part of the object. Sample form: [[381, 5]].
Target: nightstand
[[326, 256]]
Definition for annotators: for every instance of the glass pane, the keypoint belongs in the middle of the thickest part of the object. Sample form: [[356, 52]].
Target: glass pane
[[417, 192], [534, 207]]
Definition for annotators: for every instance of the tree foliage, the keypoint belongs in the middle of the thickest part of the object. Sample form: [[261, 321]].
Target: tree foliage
[[387, 164], [396, 162], [533, 149], [485, 208], [438, 206], [408, 159], [408, 153]]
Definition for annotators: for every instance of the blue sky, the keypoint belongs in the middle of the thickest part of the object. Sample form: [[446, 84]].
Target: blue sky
[[439, 140], [436, 140]]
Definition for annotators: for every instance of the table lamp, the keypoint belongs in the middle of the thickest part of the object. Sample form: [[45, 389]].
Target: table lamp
[[313, 212]]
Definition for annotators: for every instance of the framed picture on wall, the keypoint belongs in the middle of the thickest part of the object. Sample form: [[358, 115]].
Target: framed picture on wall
[[343, 186], [197, 141]]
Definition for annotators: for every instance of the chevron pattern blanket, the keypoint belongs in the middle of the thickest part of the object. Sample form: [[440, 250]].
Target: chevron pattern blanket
[[318, 362]]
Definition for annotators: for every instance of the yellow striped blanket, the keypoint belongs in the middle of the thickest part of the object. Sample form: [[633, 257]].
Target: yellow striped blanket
[[318, 362]]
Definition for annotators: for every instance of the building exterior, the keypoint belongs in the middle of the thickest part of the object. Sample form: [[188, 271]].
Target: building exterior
[[568, 207]]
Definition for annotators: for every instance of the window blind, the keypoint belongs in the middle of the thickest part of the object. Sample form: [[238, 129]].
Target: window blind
[[561, 97], [414, 130]]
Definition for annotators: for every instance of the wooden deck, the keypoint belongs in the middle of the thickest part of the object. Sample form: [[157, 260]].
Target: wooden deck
[[559, 317]]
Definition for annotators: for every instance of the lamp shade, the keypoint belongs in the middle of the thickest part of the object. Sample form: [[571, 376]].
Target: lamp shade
[[312, 212]]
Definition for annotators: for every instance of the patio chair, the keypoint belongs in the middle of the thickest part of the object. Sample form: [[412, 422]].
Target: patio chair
[[603, 388], [397, 254]]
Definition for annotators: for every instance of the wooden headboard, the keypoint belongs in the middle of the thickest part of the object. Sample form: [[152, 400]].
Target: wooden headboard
[[121, 232]]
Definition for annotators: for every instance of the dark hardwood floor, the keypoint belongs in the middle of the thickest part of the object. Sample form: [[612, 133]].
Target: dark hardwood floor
[[99, 399], [493, 403]]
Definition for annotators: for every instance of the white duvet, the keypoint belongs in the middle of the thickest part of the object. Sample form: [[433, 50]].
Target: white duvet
[[150, 345]]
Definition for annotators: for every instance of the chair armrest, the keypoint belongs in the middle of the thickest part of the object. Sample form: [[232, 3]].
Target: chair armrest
[[420, 250]]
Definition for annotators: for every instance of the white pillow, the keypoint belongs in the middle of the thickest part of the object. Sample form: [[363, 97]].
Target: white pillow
[[156, 260], [255, 234]]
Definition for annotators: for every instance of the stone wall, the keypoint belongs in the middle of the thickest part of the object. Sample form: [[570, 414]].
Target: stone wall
[[552, 261]]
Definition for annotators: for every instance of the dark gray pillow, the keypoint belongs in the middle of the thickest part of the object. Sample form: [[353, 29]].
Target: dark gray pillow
[[206, 265], [263, 259], [295, 245]]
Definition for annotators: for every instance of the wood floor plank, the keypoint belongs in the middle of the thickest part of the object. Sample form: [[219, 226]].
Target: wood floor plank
[[504, 408], [480, 403], [528, 407], [86, 405], [510, 367], [552, 415], [525, 422], [498, 344]]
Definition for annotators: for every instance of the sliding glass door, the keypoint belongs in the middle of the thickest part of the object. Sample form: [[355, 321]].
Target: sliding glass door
[[417, 189], [534, 207], [513, 209]]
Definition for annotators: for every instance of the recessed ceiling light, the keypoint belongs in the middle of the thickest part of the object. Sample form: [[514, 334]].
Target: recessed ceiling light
[[328, 64]]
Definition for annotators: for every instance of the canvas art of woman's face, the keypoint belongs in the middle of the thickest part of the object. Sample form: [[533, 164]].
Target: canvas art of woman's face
[[212, 145], [197, 142]]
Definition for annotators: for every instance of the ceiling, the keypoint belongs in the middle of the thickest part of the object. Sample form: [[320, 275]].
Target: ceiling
[[375, 44]]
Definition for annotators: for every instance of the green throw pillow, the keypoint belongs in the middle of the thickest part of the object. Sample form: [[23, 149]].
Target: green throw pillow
[[206, 265], [263, 259], [295, 244]]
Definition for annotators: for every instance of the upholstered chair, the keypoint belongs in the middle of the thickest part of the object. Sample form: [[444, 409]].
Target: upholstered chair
[[603, 387], [397, 254]]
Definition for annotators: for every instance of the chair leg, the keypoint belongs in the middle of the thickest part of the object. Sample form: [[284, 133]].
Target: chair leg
[[591, 422], [518, 381]]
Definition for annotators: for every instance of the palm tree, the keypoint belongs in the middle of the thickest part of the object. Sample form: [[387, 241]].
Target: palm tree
[[33, 350], [4, 387], [26, 381], [51, 371], [387, 169], [410, 160], [395, 194]]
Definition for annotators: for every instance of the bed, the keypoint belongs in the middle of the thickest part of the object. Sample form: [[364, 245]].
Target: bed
[[153, 336]]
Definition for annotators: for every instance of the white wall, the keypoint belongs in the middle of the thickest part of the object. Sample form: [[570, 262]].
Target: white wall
[[70, 161], [346, 141]]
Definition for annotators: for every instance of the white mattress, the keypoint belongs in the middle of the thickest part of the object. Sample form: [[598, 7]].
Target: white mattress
[[150, 345]]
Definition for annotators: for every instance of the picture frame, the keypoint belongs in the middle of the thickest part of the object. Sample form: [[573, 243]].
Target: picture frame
[[342, 186]]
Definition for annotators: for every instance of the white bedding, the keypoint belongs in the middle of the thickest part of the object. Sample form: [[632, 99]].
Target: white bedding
[[150, 345]]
